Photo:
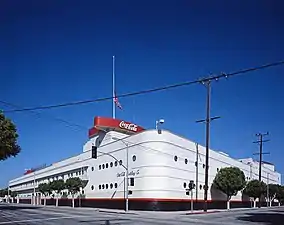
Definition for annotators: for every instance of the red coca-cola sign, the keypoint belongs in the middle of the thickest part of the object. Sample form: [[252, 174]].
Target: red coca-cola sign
[[107, 124], [128, 126]]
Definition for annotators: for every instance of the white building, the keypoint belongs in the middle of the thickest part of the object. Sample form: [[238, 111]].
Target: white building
[[162, 164]]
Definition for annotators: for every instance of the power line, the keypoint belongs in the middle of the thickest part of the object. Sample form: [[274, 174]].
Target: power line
[[223, 75], [39, 115]]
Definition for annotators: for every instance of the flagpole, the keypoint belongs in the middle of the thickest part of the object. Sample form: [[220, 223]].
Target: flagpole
[[113, 87]]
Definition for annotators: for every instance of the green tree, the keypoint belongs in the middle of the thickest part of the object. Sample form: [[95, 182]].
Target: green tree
[[255, 189], [3, 192], [45, 189], [13, 194], [273, 190], [57, 186], [230, 181], [280, 194], [8, 138], [74, 185]]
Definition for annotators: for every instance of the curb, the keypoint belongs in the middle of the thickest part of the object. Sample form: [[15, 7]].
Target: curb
[[114, 212], [230, 210], [198, 213]]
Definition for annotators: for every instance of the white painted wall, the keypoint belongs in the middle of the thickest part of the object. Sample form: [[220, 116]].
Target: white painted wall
[[158, 175]]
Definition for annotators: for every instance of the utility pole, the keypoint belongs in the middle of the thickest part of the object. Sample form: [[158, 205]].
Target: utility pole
[[267, 191], [196, 175], [34, 194], [207, 83], [260, 142], [127, 180], [8, 197]]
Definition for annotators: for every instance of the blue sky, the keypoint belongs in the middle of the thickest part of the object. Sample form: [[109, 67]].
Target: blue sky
[[54, 52]]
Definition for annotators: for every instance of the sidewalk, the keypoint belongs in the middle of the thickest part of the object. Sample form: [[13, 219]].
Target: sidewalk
[[185, 212], [141, 212]]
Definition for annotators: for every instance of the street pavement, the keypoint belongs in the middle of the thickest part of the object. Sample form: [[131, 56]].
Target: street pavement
[[50, 215]]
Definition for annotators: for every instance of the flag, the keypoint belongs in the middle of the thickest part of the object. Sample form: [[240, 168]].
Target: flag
[[116, 101]]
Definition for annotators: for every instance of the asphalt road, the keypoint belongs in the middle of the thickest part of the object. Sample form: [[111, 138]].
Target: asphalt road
[[30, 215]]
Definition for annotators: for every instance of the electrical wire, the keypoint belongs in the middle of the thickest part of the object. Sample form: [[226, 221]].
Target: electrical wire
[[223, 75], [39, 115]]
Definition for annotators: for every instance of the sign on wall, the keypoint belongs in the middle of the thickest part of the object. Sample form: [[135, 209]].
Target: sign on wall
[[131, 173]]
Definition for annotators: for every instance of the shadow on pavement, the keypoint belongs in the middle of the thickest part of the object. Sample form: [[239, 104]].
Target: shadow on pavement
[[14, 207], [268, 218], [107, 221]]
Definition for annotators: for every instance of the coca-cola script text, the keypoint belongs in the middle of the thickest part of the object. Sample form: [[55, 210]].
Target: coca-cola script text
[[128, 126]]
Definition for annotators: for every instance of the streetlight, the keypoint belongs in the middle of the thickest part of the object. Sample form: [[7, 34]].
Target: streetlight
[[158, 122], [34, 199], [126, 168], [94, 155]]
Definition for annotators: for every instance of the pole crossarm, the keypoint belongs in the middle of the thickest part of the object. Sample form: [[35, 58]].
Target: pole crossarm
[[264, 153], [261, 141], [211, 119]]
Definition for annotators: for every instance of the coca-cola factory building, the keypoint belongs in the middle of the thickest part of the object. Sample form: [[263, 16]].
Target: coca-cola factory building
[[160, 167]]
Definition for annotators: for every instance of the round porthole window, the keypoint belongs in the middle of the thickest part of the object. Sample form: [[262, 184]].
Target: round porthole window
[[134, 158], [103, 166], [120, 162], [115, 163], [111, 164], [92, 187], [186, 161], [175, 158], [106, 165]]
